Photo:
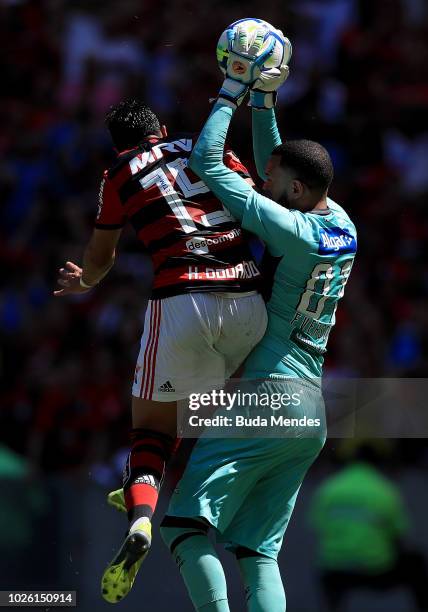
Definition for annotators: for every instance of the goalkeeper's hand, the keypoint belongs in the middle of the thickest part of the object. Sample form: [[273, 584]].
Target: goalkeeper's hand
[[243, 65], [263, 92]]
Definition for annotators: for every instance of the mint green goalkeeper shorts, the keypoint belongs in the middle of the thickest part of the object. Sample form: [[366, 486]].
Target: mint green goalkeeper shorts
[[247, 487]]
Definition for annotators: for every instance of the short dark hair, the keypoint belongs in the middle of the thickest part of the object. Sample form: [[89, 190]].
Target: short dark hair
[[309, 160], [129, 122]]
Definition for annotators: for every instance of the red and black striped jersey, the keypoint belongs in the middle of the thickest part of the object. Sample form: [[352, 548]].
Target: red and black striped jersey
[[194, 242]]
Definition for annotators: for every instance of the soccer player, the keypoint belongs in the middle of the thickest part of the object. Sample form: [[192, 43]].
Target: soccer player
[[246, 488], [205, 313]]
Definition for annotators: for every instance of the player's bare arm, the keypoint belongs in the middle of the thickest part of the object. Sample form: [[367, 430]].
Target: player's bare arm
[[98, 260]]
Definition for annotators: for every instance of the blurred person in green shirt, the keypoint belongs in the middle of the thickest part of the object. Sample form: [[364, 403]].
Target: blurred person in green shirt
[[360, 520], [23, 507]]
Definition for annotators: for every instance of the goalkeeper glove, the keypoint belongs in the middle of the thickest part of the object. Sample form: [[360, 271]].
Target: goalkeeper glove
[[244, 63], [263, 92]]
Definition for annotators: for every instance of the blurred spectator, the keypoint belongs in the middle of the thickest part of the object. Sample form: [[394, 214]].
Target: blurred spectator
[[360, 522], [23, 506]]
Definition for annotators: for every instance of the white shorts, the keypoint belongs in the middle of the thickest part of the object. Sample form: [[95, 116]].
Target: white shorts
[[193, 342]]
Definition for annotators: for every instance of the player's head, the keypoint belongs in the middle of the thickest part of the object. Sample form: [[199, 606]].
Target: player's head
[[130, 121], [299, 173]]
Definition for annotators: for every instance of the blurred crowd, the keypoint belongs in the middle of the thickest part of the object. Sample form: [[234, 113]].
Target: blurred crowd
[[358, 84]]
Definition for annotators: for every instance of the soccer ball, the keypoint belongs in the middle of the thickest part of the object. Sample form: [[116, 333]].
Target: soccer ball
[[281, 51]]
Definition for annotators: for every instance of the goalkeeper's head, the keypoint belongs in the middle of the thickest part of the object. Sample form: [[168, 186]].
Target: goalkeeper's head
[[130, 122], [299, 173]]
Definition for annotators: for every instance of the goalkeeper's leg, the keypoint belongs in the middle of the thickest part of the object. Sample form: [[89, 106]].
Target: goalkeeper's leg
[[197, 561], [262, 581]]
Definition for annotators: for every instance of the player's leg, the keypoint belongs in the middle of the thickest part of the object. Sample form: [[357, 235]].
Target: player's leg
[[263, 517], [256, 532], [152, 444], [197, 562], [261, 521], [222, 473], [219, 475], [153, 439], [262, 581], [176, 358], [216, 485]]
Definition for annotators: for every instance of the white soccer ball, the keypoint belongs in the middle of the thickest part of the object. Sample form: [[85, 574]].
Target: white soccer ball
[[281, 52]]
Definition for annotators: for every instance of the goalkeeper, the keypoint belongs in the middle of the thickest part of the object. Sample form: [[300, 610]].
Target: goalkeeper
[[246, 489]]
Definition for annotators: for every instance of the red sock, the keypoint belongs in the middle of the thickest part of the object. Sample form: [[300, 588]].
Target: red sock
[[144, 471]]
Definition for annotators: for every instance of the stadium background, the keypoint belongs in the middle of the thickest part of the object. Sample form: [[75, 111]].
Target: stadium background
[[358, 84]]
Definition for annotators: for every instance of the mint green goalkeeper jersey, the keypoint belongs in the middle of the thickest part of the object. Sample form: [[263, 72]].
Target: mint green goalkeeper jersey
[[316, 251]]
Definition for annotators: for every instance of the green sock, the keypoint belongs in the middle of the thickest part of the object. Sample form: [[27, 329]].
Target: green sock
[[263, 584], [199, 566]]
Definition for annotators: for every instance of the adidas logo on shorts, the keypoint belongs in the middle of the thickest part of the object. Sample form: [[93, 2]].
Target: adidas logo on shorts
[[166, 387]]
